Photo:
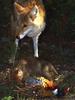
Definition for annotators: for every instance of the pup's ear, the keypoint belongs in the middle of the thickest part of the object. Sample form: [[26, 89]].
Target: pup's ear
[[20, 9]]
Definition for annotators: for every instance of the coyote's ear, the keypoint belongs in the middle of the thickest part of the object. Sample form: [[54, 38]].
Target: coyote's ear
[[20, 9]]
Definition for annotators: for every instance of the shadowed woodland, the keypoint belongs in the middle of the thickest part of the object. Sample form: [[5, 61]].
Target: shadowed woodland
[[56, 60]]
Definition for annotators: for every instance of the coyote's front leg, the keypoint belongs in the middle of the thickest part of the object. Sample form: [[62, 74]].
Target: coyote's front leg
[[35, 45]]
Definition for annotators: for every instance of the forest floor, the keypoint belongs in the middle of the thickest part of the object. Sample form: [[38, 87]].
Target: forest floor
[[56, 62]]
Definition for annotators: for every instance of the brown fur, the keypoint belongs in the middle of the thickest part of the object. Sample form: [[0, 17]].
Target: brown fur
[[28, 5]]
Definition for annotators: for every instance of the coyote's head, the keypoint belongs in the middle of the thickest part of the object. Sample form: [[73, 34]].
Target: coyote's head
[[30, 12]]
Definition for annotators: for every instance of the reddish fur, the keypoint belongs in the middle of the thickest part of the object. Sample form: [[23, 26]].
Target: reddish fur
[[29, 5]]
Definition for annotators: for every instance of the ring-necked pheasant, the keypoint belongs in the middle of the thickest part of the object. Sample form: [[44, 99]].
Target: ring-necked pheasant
[[30, 21]]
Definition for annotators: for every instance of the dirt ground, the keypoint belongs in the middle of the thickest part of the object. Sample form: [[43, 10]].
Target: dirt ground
[[55, 61]]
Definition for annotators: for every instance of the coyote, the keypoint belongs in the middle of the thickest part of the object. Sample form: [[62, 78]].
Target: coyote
[[30, 21]]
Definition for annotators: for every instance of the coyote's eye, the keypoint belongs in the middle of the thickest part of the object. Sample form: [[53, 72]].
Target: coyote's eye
[[34, 11]]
